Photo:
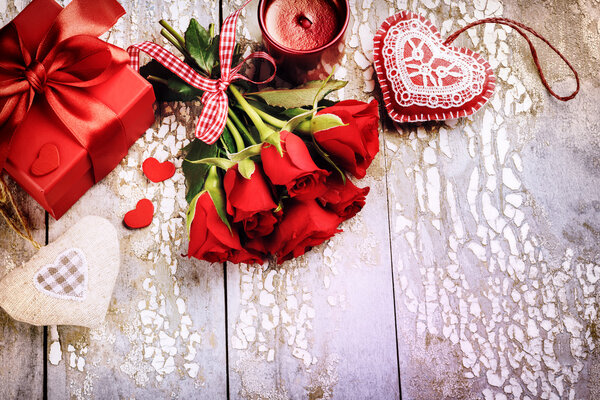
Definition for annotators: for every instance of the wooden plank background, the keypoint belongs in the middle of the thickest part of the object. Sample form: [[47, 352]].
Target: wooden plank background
[[472, 272]]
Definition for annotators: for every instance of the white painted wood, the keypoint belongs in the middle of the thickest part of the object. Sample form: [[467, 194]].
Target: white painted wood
[[493, 223], [164, 332], [493, 252], [321, 326], [21, 345]]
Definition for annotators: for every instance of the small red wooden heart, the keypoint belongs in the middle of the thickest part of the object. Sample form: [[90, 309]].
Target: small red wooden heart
[[48, 160], [421, 78], [141, 216], [156, 171]]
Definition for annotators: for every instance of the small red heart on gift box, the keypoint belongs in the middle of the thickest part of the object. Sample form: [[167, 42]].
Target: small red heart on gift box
[[141, 216], [48, 160], [421, 78], [157, 171]]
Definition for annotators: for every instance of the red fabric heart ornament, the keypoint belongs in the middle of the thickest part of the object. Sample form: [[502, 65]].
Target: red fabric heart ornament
[[47, 161], [157, 171], [141, 216], [421, 78]]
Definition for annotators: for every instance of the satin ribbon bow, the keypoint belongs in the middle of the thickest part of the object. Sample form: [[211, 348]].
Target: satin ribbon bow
[[214, 114], [57, 71]]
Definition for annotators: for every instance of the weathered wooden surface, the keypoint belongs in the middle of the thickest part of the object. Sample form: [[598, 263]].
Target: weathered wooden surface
[[321, 326], [164, 334], [21, 345], [495, 245], [477, 255]]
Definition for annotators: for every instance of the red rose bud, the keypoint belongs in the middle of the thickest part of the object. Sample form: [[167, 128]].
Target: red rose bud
[[346, 200], [305, 224], [352, 146], [211, 239], [295, 170], [250, 201]]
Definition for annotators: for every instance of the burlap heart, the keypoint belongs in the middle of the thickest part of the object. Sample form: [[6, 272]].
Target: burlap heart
[[68, 282]]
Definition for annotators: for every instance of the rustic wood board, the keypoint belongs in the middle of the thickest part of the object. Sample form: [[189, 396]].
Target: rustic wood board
[[495, 246], [164, 335], [21, 345], [321, 326], [165, 331], [477, 254]]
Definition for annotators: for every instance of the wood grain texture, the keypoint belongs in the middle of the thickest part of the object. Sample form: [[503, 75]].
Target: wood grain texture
[[321, 326], [491, 254], [21, 345], [164, 333], [476, 255]]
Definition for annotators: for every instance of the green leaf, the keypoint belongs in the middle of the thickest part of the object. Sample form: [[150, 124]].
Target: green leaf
[[301, 96], [328, 159], [248, 152], [228, 140], [292, 112], [199, 45], [195, 174], [325, 121], [183, 90], [215, 190], [222, 163], [321, 90], [246, 168], [212, 57], [218, 198], [191, 212], [261, 105], [297, 120]]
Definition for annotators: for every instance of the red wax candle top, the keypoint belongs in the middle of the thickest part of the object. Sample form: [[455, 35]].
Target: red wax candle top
[[301, 24]]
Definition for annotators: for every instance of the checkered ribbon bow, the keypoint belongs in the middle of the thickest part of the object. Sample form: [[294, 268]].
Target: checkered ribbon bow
[[214, 114]]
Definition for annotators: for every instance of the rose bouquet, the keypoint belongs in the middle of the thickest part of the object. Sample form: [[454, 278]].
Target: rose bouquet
[[277, 179]]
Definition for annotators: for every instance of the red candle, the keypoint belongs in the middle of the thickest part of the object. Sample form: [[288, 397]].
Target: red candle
[[302, 24]]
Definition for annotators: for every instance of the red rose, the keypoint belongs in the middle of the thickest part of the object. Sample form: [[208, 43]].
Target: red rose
[[305, 224], [295, 170], [352, 145], [250, 201], [210, 238], [346, 200]]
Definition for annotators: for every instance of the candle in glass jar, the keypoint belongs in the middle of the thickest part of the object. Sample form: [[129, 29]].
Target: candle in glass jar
[[302, 24]]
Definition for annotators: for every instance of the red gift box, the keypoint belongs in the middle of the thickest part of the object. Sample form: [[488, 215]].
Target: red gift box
[[125, 92]]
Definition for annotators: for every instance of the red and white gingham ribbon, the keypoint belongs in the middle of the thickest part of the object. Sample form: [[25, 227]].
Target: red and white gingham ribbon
[[214, 114]]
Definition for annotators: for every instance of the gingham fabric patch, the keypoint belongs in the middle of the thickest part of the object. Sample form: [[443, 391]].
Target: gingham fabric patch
[[214, 113], [65, 279]]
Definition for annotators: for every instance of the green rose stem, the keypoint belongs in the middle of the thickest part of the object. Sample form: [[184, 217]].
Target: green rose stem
[[174, 38], [174, 42], [173, 32], [241, 126], [239, 142], [263, 130], [269, 119], [157, 79]]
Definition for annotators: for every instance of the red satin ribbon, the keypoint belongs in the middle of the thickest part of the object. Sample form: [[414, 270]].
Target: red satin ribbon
[[69, 59]]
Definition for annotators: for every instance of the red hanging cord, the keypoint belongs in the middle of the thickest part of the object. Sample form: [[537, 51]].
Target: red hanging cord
[[520, 28]]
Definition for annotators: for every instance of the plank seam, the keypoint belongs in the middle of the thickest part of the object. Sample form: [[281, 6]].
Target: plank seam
[[226, 330], [385, 158], [45, 339]]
